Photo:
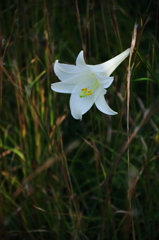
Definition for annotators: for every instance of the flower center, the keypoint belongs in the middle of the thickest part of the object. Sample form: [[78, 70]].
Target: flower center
[[89, 91]]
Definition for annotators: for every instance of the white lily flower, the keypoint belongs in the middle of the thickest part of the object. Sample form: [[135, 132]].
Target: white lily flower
[[86, 83]]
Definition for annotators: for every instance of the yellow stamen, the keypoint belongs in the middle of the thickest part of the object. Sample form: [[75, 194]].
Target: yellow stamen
[[85, 92]]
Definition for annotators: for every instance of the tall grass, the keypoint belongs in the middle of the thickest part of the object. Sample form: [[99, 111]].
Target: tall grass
[[68, 179]]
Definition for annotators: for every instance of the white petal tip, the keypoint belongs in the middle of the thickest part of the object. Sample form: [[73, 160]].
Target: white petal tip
[[79, 117], [52, 88], [115, 113], [110, 112], [80, 59], [56, 62], [55, 67]]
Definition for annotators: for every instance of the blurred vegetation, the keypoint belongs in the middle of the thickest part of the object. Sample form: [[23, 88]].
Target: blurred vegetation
[[68, 179]]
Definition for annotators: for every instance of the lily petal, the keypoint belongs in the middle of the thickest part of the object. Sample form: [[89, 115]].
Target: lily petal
[[108, 67], [80, 105], [62, 87], [80, 60], [67, 71], [68, 68], [105, 81], [103, 106]]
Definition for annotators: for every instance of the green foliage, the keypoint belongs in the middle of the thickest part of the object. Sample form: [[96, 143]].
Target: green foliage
[[66, 179]]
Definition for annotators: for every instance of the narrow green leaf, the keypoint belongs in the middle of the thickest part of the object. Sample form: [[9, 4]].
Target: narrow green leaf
[[148, 67], [143, 79], [16, 151]]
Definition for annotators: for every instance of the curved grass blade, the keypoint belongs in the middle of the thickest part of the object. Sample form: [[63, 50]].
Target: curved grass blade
[[143, 79], [147, 66]]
